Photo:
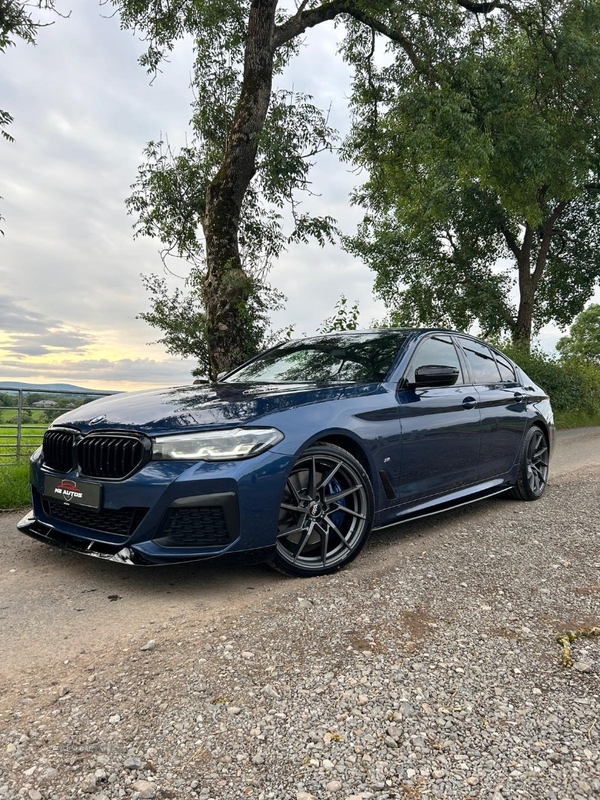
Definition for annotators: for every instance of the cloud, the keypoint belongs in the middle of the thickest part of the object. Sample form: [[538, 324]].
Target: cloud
[[84, 110], [29, 333], [104, 372], [15, 318]]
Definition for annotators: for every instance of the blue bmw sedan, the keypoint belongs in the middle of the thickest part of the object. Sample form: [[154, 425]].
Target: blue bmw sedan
[[294, 457]]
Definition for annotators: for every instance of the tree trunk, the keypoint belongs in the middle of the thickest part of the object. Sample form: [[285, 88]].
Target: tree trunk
[[522, 332], [528, 279], [227, 288]]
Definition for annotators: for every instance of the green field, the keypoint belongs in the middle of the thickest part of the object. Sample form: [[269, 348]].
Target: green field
[[37, 416], [14, 466], [31, 438], [35, 422]]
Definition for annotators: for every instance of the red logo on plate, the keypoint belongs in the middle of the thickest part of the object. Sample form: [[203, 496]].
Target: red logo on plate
[[68, 490]]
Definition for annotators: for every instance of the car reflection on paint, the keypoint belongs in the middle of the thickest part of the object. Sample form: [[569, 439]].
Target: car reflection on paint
[[294, 457]]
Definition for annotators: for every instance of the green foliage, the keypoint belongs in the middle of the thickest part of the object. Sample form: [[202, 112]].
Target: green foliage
[[169, 200], [179, 315], [169, 195], [583, 340], [345, 317], [485, 147], [445, 279], [572, 383]]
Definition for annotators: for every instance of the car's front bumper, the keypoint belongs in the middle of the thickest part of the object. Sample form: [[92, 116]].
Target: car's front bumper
[[169, 513], [129, 555]]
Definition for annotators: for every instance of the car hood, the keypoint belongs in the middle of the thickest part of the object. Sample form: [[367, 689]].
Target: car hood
[[201, 406]]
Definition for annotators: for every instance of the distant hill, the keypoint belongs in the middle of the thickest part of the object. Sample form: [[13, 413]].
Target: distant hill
[[48, 387]]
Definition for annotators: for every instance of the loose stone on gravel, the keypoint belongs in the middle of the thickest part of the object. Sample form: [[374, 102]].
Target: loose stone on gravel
[[144, 790], [133, 762]]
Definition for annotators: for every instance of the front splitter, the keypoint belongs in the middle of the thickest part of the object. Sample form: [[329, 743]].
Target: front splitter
[[128, 555]]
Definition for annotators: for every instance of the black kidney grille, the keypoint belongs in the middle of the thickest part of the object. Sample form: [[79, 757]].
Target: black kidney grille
[[58, 449], [121, 522], [110, 457], [194, 527]]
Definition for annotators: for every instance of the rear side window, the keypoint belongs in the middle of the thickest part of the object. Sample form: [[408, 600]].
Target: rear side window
[[481, 362], [507, 372]]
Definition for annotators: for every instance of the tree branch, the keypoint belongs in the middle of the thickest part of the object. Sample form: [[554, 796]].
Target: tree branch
[[512, 242], [479, 8], [303, 20], [548, 230]]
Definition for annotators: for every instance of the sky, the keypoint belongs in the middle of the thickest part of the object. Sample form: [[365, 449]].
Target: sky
[[70, 286]]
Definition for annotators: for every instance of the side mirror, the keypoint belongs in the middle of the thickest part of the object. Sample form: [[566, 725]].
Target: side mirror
[[435, 375]]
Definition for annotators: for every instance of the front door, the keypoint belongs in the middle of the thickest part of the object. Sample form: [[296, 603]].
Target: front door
[[440, 427]]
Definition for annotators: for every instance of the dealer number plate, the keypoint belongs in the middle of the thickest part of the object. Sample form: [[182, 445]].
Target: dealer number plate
[[75, 493]]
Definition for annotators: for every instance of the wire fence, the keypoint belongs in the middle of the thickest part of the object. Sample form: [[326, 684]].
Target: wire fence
[[25, 414]]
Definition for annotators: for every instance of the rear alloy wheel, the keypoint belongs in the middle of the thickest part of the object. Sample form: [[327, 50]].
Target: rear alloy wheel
[[326, 513], [533, 468]]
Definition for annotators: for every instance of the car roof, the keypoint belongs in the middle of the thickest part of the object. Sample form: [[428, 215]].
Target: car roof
[[364, 331]]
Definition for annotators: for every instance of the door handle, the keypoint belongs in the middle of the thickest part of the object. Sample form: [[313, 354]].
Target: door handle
[[469, 402]]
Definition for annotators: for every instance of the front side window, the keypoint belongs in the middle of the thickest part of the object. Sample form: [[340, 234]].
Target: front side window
[[435, 351]]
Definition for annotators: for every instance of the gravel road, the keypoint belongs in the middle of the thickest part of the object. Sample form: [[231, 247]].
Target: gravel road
[[428, 669]]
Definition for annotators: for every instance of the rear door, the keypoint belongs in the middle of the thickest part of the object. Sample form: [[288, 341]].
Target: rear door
[[502, 404], [440, 426]]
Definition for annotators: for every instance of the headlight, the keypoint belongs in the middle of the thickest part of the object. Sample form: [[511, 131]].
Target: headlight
[[227, 445]]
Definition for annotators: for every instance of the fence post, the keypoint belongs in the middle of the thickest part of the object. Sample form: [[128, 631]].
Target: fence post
[[19, 422]]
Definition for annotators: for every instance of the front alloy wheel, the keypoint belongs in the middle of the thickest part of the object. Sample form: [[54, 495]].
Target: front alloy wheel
[[326, 513], [533, 468]]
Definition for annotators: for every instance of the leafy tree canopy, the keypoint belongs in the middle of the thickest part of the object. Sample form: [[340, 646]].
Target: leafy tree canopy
[[486, 150], [583, 340], [218, 202]]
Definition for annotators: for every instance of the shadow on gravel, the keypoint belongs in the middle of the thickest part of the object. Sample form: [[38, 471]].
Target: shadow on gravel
[[419, 530], [189, 575], [211, 575]]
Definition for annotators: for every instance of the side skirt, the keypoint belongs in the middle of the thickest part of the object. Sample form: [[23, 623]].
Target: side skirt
[[431, 507]]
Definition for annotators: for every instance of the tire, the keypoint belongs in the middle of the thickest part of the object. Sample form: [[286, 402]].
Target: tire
[[532, 478], [326, 513]]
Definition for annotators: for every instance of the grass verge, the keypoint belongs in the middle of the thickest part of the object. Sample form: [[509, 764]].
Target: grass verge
[[14, 485], [575, 419]]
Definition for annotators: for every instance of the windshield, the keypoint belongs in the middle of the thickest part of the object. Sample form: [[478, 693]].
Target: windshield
[[340, 358]]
